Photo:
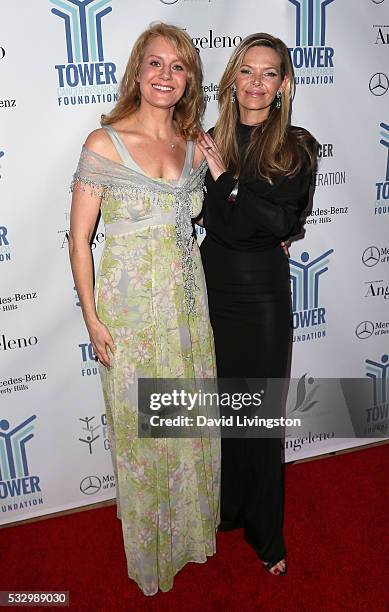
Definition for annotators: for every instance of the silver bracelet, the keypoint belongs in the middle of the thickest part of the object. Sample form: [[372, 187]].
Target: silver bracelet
[[234, 193]]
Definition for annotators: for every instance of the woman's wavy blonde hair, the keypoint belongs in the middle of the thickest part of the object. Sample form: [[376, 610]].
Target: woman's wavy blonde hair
[[273, 149], [188, 111]]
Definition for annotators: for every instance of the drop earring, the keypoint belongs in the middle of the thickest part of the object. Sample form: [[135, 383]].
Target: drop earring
[[278, 99], [233, 94]]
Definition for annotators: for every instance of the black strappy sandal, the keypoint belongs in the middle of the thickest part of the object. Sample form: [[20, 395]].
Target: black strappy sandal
[[268, 565]]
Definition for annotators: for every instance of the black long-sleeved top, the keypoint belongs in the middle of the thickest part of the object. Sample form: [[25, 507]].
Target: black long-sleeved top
[[263, 214]]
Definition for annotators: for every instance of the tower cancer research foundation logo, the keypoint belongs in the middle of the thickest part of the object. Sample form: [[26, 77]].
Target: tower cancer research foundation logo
[[18, 488], [377, 413], [382, 187], [86, 78], [312, 59], [89, 365], [5, 249], [309, 315]]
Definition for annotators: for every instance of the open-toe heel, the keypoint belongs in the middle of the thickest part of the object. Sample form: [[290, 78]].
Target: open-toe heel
[[273, 569]]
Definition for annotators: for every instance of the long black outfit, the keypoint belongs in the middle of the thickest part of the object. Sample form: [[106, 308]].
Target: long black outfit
[[247, 276]]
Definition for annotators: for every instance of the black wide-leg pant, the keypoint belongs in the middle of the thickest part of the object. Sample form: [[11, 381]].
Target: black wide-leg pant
[[250, 311]]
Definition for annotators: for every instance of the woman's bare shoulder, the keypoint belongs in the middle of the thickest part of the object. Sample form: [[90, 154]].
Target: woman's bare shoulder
[[99, 142]]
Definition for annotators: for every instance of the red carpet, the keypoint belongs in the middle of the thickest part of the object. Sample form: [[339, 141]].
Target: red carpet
[[336, 526]]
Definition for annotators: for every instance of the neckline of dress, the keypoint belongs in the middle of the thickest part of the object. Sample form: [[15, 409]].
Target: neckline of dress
[[244, 128], [141, 171], [174, 182]]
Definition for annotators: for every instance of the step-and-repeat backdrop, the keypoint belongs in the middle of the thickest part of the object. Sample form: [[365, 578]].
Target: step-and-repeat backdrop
[[60, 64]]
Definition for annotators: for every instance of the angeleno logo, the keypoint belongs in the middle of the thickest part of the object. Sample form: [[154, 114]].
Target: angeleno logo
[[309, 316], [312, 59], [212, 41], [86, 68], [381, 34], [9, 344], [382, 187], [15, 478]]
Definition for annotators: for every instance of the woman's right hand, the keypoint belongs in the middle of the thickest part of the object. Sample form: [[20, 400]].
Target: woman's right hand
[[212, 155], [101, 340]]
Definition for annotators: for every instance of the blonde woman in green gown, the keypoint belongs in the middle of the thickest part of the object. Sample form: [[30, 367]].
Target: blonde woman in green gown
[[148, 315]]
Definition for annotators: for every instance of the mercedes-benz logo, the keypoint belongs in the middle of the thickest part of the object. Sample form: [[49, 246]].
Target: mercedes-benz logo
[[2, 52], [364, 330], [90, 485], [379, 84], [377, 1], [169, 1], [371, 256]]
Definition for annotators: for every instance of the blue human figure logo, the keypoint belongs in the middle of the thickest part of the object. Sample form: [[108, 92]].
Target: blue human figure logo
[[305, 280], [385, 141], [13, 457], [378, 372], [310, 22], [84, 40]]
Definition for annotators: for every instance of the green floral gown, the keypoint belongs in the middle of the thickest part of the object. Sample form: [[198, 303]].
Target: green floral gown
[[151, 295]]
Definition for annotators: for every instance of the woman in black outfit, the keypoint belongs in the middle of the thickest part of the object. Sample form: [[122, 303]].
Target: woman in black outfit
[[257, 187]]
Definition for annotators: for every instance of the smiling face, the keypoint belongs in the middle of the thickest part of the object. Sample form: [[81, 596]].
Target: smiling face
[[257, 82], [161, 76]]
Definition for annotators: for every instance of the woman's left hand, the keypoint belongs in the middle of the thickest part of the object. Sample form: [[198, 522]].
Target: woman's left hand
[[211, 153]]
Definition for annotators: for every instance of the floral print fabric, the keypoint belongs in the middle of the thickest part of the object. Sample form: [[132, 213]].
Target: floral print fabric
[[167, 489]]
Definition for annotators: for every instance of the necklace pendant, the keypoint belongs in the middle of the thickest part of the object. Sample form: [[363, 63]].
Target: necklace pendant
[[173, 146]]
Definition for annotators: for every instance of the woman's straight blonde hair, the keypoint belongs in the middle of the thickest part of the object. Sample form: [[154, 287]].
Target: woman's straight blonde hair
[[273, 149], [188, 111]]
